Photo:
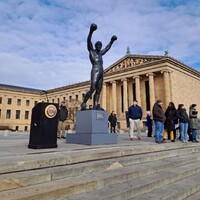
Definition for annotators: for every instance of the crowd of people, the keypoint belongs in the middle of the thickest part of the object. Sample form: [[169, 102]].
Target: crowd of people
[[167, 124]]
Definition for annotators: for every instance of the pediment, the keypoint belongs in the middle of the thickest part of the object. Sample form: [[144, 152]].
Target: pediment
[[130, 61]]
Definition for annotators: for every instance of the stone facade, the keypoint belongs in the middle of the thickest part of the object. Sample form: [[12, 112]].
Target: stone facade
[[141, 77]]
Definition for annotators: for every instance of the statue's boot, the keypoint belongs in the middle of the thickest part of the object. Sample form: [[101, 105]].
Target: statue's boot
[[83, 106]]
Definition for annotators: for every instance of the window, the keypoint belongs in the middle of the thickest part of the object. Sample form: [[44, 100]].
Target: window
[[0, 113], [9, 101], [52, 100], [0, 100], [17, 114], [122, 94], [134, 90], [26, 114], [147, 95], [19, 102], [8, 114], [64, 98], [76, 97], [35, 103], [58, 100], [16, 128], [70, 98], [26, 128], [27, 102], [83, 96]]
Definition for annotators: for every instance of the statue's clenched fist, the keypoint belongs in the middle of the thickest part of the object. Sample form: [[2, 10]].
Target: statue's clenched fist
[[93, 27], [114, 37]]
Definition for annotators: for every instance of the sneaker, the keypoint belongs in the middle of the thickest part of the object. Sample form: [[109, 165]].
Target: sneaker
[[131, 139], [139, 138], [172, 140], [63, 137], [58, 137]]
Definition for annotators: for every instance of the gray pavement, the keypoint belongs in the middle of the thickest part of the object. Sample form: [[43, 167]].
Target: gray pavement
[[17, 144]]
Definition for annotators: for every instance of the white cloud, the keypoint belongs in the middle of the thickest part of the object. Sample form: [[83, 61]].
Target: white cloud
[[44, 45]]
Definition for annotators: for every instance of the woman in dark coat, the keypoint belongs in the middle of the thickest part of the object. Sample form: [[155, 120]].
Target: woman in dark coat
[[183, 121], [171, 119]]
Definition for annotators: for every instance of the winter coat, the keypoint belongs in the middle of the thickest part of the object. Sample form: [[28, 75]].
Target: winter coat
[[63, 113], [149, 121], [112, 119], [135, 112], [183, 116], [171, 119], [193, 121], [158, 113]]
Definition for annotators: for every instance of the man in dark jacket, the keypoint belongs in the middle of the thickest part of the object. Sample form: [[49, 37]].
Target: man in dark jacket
[[113, 121], [62, 116], [193, 121], [135, 116], [159, 118]]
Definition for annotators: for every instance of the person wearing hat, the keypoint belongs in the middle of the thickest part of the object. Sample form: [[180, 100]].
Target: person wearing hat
[[135, 116], [159, 118], [193, 122], [62, 116]]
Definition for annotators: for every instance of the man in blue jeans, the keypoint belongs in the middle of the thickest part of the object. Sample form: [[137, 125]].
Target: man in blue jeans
[[159, 119]]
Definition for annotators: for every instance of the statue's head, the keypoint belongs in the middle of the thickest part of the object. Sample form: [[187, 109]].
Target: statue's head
[[98, 45]]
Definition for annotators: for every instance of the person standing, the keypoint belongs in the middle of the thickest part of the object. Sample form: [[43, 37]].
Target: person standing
[[149, 124], [183, 121], [62, 116], [193, 121], [135, 116], [159, 118], [169, 125], [113, 121]]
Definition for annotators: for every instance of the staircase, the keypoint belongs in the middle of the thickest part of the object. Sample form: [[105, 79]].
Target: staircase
[[169, 171]]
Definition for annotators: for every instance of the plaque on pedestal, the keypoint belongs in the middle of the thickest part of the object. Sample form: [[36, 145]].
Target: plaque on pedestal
[[92, 129], [44, 122]]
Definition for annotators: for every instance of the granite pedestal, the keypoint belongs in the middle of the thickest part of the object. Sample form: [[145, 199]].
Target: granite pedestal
[[92, 129]]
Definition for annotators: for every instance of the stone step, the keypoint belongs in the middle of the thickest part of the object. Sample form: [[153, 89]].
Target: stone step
[[139, 186], [187, 189], [195, 196], [22, 179], [37, 161], [119, 181]]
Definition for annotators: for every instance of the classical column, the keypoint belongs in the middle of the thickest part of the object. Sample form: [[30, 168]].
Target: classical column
[[125, 94], [114, 96], [151, 89], [104, 96], [167, 86], [137, 86]]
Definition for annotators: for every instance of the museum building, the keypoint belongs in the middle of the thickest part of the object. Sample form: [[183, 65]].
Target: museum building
[[142, 77]]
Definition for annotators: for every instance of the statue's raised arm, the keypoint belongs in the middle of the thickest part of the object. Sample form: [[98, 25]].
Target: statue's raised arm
[[104, 51], [93, 28]]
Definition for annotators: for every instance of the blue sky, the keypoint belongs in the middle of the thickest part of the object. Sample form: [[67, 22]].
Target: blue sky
[[43, 42]]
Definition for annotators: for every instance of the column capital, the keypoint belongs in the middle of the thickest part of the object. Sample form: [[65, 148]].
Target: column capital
[[113, 81], [150, 74], [124, 79], [166, 71], [105, 83], [137, 77]]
